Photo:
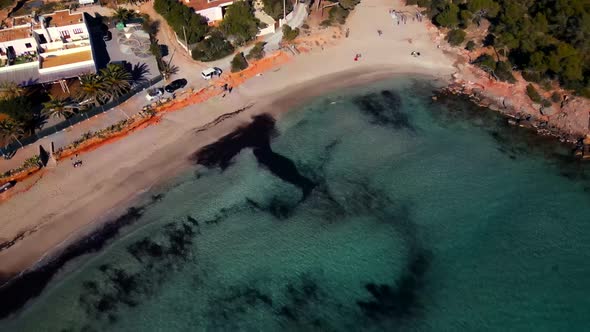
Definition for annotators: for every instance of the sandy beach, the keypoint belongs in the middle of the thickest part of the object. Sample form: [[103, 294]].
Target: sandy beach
[[67, 203]]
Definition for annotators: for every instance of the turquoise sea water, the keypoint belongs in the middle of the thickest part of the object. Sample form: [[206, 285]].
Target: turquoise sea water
[[397, 213]]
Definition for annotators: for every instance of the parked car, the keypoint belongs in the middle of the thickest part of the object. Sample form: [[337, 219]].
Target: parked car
[[107, 36], [210, 72], [154, 93], [7, 186], [175, 85]]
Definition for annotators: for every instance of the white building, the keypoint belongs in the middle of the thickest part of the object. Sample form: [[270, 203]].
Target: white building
[[212, 10], [45, 48]]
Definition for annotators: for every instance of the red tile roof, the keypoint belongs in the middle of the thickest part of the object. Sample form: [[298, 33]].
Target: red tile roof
[[63, 17], [204, 4], [13, 34]]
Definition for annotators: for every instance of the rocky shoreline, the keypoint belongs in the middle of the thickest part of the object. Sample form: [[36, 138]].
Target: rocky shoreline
[[522, 116]]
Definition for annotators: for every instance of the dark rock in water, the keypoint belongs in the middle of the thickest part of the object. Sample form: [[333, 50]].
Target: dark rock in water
[[284, 168], [402, 300], [256, 135], [219, 154], [385, 108]]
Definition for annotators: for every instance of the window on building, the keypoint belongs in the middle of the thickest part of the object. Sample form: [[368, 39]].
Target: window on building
[[78, 31], [65, 34], [28, 45]]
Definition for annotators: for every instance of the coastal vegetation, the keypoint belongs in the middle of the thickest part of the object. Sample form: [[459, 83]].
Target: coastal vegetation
[[187, 24], [289, 34], [109, 84], [238, 26], [239, 23], [31, 163], [17, 107], [274, 8], [238, 63], [212, 48], [57, 108], [257, 52], [533, 94], [24, 111], [545, 40], [456, 37], [339, 11]]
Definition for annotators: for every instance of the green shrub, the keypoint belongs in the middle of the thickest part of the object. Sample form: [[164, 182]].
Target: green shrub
[[546, 103], [274, 8], [531, 76], [470, 45], [584, 92], [182, 19], [239, 22], [326, 23], [466, 17], [546, 84], [533, 94], [485, 61], [257, 52], [238, 63], [289, 34], [338, 14], [212, 48], [456, 37], [32, 162], [556, 97], [449, 17], [504, 72]]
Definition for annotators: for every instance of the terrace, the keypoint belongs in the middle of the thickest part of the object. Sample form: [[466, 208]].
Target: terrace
[[65, 59], [19, 59], [61, 46]]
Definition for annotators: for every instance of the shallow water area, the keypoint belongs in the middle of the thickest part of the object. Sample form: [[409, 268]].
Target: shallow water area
[[371, 208]]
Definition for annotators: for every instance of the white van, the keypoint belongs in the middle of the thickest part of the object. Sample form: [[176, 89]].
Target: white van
[[210, 72]]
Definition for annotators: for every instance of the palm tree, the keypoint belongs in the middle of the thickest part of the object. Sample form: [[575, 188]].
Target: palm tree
[[12, 130], [56, 107], [9, 90], [168, 69], [117, 79], [139, 72], [93, 88], [123, 14]]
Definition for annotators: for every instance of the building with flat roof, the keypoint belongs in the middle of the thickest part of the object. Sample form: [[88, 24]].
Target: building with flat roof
[[212, 10], [45, 48]]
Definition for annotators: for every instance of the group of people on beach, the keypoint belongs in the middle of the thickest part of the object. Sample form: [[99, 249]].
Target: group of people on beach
[[401, 16], [226, 88]]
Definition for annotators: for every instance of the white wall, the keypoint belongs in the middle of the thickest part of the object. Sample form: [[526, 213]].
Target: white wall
[[211, 14], [19, 46], [55, 35], [268, 30]]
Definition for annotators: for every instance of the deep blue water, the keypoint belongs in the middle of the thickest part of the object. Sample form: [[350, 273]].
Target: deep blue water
[[367, 209]]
